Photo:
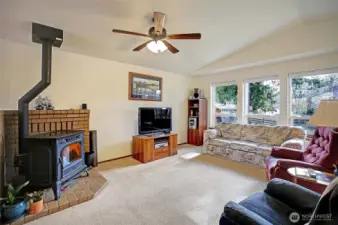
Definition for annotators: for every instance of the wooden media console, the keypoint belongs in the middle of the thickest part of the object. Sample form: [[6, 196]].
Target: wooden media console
[[150, 148]]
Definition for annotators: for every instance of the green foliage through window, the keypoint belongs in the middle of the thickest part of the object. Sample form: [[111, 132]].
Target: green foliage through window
[[226, 94], [307, 92], [263, 96]]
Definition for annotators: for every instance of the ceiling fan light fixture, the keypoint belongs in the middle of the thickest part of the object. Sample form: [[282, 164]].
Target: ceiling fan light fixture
[[156, 46]]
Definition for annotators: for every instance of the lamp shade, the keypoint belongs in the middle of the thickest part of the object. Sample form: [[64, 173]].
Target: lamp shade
[[326, 114]]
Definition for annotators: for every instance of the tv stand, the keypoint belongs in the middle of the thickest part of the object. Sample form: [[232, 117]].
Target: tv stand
[[149, 148]]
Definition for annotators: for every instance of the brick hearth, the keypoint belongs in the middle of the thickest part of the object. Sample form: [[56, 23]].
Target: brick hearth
[[84, 189]]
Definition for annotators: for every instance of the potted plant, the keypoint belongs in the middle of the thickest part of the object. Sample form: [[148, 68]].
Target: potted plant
[[35, 201], [14, 206]]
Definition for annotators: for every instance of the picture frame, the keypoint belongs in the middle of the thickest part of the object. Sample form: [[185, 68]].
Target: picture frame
[[143, 87]]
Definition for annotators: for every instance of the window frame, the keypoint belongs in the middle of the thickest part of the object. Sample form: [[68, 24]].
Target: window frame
[[212, 116], [290, 116], [245, 105]]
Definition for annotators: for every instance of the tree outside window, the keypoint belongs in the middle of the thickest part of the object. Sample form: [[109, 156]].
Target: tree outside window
[[307, 92], [225, 104], [262, 102]]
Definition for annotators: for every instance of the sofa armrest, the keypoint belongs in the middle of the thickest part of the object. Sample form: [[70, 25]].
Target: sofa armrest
[[207, 136], [211, 134], [286, 163], [294, 195], [286, 153], [238, 214], [294, 143]]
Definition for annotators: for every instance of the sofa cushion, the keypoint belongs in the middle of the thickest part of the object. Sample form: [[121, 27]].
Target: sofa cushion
[[220, 142], [230, 131], [277, 135], [257, 134], [246, 146]]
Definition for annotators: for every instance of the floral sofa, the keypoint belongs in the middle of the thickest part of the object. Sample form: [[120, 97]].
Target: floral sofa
[[250, 144]]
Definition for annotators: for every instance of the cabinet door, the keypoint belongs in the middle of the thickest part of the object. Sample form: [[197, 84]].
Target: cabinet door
[[173, 144], [143, 149], [194, 137], [148, 150]]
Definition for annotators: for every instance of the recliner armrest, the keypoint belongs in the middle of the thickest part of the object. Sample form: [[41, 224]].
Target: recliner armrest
[[294, 195], [286, 153], [238, 214]]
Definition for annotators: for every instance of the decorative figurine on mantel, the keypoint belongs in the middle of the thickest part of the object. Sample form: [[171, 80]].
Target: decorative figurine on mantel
[[39, 104], [43, 103], [49, 105]]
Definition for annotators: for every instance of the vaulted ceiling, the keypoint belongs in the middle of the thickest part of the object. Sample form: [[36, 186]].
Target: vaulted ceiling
[[227, 26]]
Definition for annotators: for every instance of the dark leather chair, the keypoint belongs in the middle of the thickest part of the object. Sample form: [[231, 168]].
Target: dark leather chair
[[321, 154], [280, 202]]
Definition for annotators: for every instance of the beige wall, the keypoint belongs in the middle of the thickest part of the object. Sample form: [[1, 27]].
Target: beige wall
[[282, 70], [102, 84], [1, 125], [1, 153]]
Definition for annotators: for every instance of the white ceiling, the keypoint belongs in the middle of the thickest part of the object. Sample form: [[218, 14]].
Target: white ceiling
[[226, 26]]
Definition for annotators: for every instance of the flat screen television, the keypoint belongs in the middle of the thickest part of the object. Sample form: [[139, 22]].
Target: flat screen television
[[153, 120]]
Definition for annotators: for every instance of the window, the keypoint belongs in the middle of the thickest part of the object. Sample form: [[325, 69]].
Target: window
[[224, 104], [306, 91], [261, 103]]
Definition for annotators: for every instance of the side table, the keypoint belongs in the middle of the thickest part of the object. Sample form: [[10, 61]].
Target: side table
[[311, 179]]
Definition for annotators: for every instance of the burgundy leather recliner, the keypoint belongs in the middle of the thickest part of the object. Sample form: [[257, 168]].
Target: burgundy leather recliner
[[321, 154]]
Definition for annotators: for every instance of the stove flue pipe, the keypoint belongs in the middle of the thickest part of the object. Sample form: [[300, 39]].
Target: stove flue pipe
[[48, 37]]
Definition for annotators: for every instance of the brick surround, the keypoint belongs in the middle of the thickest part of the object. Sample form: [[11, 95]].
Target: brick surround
[[41, 121]]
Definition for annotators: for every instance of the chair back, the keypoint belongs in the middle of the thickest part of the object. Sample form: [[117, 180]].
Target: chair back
[[323, 148]]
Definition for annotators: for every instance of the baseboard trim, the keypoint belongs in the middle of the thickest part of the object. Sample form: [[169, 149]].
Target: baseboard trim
[[122, 157], [109, 160]]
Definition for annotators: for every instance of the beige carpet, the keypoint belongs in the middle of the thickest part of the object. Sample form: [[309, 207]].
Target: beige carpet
[[185, 189]]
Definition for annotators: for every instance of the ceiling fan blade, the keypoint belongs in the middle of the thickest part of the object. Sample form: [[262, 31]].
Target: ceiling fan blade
[[159, 22], [140, 47], [129, 32], [170, 47], [184, 36]]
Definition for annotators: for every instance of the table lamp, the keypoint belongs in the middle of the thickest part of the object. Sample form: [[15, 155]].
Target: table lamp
[[326, 115]]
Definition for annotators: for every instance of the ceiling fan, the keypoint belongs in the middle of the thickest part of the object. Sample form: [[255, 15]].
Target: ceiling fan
[[159, 36]]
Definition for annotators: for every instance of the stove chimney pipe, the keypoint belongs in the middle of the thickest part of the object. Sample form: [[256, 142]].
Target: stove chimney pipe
[[48, 37]]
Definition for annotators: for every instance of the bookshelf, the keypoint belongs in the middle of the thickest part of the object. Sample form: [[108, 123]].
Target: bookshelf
[[197, 111]]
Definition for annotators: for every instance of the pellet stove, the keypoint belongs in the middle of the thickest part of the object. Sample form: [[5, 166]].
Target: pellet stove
[[48, 159], [54, 158]]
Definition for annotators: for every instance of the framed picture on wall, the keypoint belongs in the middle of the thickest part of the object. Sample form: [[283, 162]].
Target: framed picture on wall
[[144, 87]]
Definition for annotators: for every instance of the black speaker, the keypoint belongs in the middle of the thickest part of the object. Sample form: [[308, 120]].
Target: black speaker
[[93, 145], [84, 106], [196, 93]]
